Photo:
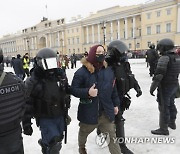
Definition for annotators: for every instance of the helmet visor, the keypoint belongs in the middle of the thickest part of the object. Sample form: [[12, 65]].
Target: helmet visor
[[49, 63]]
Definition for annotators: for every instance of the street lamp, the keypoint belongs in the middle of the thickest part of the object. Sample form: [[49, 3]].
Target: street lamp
[[28, 46], [104, 28], [135, 44]]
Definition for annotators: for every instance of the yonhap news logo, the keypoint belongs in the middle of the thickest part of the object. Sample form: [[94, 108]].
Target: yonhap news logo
[[103, 140]]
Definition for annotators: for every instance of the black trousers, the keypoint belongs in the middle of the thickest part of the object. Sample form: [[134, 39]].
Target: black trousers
[[12, 143]]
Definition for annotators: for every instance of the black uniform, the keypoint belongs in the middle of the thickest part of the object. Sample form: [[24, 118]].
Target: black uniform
[[152, 58], [125, 80], [48, 96], [166, 79], [12, 107]]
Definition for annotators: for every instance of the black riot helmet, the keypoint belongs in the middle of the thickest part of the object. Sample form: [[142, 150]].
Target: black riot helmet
[[46, 59], [1, 55], [116, 51], [165, 45], [152, 46]]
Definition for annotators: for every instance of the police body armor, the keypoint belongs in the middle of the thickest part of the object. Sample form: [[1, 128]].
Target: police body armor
[[12, 104], [48, 98], [125, 79], [173, 69]]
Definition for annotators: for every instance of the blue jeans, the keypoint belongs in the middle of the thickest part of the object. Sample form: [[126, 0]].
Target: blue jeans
[[166, 102], [51, 128]]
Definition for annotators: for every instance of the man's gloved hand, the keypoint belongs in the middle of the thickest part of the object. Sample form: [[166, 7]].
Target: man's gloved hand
[[153, 87], [68, 120], [139, 93], [28, 130]]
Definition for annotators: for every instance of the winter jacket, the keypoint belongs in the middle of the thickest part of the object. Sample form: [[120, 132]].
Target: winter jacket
[[18, 66], [107, 97]]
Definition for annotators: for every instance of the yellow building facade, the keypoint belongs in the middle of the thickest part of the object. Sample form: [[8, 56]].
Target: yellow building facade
[[136, 25]]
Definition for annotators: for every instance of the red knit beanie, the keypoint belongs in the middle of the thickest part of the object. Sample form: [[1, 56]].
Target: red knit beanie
[[92, 54]]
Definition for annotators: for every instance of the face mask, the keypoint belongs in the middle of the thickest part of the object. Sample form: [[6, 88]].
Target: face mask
[[100, 58]]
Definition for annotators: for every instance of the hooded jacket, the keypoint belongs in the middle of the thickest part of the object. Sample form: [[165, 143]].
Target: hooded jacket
[[103, 77]]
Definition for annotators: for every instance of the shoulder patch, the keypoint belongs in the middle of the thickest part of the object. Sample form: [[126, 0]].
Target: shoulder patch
[[14, 88]]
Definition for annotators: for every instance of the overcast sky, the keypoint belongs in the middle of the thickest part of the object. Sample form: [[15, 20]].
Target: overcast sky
[[16, 15]]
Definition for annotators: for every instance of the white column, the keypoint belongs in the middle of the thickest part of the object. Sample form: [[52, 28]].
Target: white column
[[24, 44], [58, 44], [111, 30], [119, 31], [134, 27], [35, 42], [99, 37], [50, 45], [87, 35], [63, 37], [47, 40], [92, 33], [178, 19], [32, 43], [126, 29]]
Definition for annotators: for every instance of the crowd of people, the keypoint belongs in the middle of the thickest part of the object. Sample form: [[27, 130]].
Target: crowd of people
[[102, 84]]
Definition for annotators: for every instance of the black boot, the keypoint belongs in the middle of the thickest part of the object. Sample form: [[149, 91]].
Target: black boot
[[44, 148], [124, 149], [163, 130], [120, 134], [172, 124]]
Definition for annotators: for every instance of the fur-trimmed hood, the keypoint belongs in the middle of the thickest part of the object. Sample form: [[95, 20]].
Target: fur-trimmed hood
[[89, 66]]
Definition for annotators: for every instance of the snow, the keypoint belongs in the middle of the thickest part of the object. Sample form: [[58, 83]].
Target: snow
[[141, 118]]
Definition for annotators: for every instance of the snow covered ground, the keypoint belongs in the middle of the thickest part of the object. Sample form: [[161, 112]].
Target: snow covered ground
[[141, 118]]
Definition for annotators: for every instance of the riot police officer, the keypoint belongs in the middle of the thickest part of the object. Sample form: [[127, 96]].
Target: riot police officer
[[125, 80], [12, 106], [166, 82], [48, 101], [152, 58]]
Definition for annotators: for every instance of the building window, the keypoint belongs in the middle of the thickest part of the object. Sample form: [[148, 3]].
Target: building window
[[168, 11], [148, 43], [148, 15], [69, 42], [149, 30], [138, 45], [158, 29], [124, 34], [77, 30], [58, 22], [77, 40], [132, 20], [168, 27], [158, 13], [72, 40], [78, 50], [73, 50], [130, 45], [50, 24]]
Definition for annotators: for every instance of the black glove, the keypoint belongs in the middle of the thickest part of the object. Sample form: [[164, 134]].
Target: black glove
[[139, 93], [28, 130], [126, 102], [153, 87]]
